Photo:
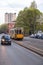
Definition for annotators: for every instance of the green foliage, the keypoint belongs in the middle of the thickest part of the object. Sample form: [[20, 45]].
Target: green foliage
[[41, 26], [3, 28], [27, 19], [33, 5]]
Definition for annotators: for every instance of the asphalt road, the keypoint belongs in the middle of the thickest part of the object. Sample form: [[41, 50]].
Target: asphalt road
[[34, 42], [17, 55]]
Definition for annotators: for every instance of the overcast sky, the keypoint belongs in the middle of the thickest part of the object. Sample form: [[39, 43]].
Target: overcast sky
[[15, 6]]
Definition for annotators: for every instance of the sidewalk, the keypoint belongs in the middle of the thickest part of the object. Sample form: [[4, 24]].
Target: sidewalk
[[30, 47]]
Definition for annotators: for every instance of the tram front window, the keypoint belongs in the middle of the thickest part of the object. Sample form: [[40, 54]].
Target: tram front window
[[18, 31]]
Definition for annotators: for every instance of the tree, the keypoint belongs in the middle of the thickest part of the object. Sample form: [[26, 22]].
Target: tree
[[4, 28], [27, 18], [33, 5], [37, 13]]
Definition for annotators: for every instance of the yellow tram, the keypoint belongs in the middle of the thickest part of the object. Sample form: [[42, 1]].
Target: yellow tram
[[17, 33]]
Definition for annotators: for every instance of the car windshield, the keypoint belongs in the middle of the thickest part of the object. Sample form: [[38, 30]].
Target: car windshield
[[7, 37]]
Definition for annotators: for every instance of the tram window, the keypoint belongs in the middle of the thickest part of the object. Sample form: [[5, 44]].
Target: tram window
[[16, 31], [20, 31], [12, 31]]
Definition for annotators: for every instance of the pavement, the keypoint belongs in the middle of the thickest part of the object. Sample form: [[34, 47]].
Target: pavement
[[34, 45], [18, 55]]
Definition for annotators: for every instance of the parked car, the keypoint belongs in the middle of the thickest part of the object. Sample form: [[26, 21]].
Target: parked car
[[38, 36], [32, 36], [42, 36], [5, 40]]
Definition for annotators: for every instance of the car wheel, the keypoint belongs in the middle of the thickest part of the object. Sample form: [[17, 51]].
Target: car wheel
[[1, 43], [9, 43]]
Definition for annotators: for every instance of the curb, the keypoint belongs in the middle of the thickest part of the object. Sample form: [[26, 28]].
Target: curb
[[32, 48]]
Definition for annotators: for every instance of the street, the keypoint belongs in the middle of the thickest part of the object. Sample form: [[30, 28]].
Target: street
[[17, 55], [35, 42], [21, 32]]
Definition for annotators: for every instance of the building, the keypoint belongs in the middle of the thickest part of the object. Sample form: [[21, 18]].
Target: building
[[10, 17], [10, 20]]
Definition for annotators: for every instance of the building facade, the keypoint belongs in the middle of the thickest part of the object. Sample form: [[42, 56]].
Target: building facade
[[10, 17]]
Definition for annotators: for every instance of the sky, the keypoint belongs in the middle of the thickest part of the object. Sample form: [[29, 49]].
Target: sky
[[14, 6]]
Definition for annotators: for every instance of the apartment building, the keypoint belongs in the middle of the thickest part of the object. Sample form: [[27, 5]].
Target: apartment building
[[10, 17]]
